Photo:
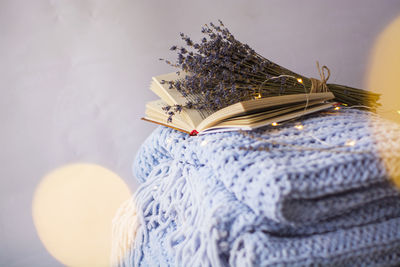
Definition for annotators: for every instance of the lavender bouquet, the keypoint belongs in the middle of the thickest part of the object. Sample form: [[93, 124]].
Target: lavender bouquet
[[222, 71]]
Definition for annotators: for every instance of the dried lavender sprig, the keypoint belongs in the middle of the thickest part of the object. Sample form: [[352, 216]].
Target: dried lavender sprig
[[172, 110]]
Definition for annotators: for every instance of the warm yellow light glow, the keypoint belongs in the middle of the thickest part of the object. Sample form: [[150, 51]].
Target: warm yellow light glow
[[73, 208], [257, 96], [299, 127], [398, 112], [383, 71], [383, 77], [274, 124], [300, 80], [350, 143], [336, 108]]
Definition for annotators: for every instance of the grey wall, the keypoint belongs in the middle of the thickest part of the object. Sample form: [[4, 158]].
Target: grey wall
[[74, 79]]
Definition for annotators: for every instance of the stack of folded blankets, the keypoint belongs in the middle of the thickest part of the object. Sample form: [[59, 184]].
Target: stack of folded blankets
[[320, 194]]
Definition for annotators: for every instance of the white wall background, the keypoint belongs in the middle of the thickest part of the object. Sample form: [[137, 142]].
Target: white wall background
[[74, 79]]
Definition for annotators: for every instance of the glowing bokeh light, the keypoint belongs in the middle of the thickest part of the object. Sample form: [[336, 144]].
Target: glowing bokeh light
[[299, 127], [350, 143], [384, 70], [73, 208], [383, 77]]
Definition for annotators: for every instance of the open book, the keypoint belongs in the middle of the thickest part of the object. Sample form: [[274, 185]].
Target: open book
[[245, 115]]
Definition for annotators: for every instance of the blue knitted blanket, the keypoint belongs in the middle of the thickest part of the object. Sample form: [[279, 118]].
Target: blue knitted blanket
[[318, 194]]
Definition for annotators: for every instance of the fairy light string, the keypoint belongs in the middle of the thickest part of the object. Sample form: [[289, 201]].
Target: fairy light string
[[288, 146], [285, 146], [291, 147], [317, 86]]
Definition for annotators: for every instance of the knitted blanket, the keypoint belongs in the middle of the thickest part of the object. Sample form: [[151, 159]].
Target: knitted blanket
[[318, 194]]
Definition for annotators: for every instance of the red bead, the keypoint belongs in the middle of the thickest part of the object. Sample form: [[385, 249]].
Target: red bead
[[193, 133]]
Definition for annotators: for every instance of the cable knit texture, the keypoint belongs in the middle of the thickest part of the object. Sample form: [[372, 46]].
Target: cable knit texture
[[322, 195]]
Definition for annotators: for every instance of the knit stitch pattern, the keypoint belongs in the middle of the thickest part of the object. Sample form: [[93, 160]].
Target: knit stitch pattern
[[277, 197]]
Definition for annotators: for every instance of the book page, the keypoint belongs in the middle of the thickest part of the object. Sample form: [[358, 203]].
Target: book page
[[174, 97], [260, 116], [230, 126], [154, 112], [271, 103]]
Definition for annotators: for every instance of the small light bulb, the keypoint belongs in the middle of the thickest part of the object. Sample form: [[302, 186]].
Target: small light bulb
[[336, 108], [274, 124], [300, 80], [258, 96], [350, 143], [299, 127]]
